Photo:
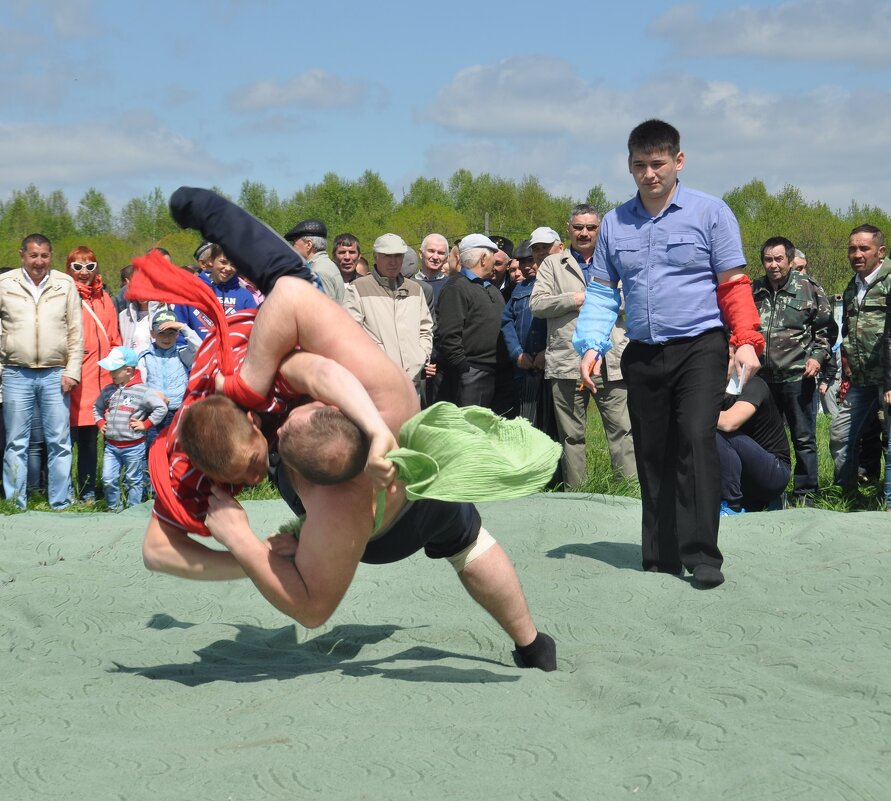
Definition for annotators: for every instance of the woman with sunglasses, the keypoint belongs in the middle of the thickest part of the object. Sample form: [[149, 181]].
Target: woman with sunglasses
[[100, 325]]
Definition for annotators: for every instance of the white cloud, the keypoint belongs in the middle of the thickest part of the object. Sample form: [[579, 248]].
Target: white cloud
[[530, 117], [841, 31], [535, 95], [76, 156], [315, 88]]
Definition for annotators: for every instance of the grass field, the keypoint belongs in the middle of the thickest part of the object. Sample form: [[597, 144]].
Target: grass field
[[601, 479]]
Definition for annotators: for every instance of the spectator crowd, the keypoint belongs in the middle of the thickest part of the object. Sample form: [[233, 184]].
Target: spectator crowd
[[479, 320]]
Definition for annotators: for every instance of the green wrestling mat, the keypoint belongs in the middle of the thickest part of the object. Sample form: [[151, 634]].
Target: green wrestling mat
[[119, 684]]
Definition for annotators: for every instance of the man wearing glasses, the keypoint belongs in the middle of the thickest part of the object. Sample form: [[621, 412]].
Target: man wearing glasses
[[557, 297], [41, 354]]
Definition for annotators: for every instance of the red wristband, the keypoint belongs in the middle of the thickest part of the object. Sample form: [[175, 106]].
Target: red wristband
[[236, 389], [740, 314], [753, 338]]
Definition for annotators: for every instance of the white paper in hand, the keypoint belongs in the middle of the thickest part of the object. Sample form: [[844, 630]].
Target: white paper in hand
[[737, 380]]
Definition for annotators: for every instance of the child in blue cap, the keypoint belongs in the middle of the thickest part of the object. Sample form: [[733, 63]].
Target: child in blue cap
[[124, 411]]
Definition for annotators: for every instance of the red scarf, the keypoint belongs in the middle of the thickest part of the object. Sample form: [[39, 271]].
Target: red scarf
[[158, 279], [90, 291]]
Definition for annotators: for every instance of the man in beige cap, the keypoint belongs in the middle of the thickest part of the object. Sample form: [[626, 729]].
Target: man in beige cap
[[392, 309], [544, 242]]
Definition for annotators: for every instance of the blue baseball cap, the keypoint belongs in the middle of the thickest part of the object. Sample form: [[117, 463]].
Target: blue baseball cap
[[119, 357]]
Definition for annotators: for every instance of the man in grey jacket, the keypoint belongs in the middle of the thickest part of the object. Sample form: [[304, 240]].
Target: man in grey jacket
[[557, 297], [41, 353]]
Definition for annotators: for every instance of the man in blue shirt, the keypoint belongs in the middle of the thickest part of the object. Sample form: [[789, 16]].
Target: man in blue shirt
[[679, 257]]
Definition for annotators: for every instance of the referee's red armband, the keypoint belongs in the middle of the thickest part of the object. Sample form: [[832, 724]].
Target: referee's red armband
[[236, 389], [740, 314]]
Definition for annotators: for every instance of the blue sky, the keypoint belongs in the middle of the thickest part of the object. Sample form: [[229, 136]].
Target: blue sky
[[128, 96]]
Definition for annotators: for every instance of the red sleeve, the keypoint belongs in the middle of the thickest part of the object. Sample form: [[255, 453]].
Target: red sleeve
[[740, 313]]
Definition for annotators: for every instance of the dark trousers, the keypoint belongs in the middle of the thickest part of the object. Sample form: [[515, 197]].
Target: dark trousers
[[258, 253], [674, 396], [475, 388], [751, 477], [795, 400], [531, 396], [84, 439]]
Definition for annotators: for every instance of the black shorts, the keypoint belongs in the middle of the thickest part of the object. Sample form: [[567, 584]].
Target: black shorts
[[441, 528]]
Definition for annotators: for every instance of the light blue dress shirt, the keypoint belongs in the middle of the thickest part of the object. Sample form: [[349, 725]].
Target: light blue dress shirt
[[668, 264]]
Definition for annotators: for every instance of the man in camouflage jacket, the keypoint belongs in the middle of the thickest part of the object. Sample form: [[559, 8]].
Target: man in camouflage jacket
[[865, 309], [799, 331]]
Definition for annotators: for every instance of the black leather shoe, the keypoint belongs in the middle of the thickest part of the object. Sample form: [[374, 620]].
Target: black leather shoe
[[674, 571], [706, 576]]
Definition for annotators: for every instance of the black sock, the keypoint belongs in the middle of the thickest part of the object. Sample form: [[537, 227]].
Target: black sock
[[541, 653]]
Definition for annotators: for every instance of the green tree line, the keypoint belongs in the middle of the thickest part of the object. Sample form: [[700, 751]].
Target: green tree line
[[366, 208]]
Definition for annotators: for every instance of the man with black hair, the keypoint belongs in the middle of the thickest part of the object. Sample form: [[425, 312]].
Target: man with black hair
[[346, 253], [42, 354], [799, 331], [865, 312], [678, 254]]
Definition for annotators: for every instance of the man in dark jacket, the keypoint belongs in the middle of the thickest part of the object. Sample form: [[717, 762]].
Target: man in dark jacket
[[468, 335]]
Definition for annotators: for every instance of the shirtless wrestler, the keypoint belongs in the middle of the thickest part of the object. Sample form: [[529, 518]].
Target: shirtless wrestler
[[323, 455]]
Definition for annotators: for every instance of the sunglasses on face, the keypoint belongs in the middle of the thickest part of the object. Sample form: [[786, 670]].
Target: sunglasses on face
[[585, 226], [89, 266]]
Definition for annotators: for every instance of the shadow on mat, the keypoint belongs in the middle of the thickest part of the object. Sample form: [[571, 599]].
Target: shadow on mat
[[622, 555], [258, 654]]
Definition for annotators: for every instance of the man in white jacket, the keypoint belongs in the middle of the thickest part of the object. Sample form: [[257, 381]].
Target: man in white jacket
[[41, 353]]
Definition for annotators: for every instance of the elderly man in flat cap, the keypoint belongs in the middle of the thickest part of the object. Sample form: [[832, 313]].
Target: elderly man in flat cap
[[310, 239], [468, 333]]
